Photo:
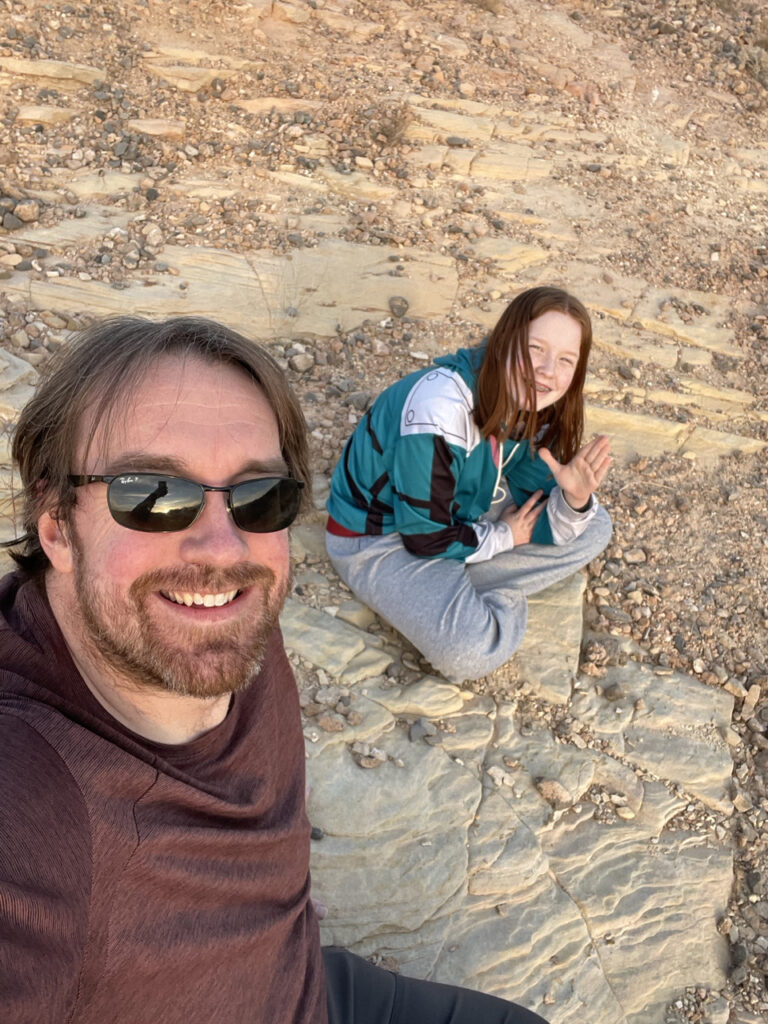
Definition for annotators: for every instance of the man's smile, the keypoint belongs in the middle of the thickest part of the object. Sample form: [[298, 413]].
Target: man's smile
[[205, 600]]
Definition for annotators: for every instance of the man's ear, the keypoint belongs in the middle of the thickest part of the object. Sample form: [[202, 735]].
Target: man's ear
[[55, 542]]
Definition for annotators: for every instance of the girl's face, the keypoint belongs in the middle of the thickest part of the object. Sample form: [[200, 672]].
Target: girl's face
[[554, 344]]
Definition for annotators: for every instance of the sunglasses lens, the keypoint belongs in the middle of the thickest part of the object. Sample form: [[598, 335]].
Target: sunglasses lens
[[153, 503], [265, 506]]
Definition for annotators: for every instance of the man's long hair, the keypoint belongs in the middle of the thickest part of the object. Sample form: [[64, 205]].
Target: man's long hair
[[497, 412], [100, 368]]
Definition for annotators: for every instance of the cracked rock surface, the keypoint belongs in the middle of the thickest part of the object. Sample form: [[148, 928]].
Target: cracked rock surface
[[503, 855]]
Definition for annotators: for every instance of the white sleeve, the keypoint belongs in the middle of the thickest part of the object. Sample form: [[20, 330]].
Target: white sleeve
[[565, 522], [492, 539]]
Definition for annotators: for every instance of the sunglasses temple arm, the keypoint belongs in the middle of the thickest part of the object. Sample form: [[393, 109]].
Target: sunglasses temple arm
[[16, 540]]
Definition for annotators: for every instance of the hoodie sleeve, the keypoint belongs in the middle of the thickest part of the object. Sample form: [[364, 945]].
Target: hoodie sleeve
[[425, 470], [45, 872], [568, 523], [436, 434]]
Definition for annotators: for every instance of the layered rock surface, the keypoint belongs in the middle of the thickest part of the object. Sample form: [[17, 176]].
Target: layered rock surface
[[536, 866]]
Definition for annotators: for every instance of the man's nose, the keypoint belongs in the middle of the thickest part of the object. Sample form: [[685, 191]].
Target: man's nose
[[214, 538]]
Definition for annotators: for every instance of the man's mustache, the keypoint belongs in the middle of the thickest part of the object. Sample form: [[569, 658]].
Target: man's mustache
[[199, 578]]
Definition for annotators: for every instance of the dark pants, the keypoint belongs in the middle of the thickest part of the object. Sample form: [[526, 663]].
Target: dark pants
[[359, 993]]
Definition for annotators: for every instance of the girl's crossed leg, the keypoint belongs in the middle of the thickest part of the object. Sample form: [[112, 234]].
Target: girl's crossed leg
[[467, 620]]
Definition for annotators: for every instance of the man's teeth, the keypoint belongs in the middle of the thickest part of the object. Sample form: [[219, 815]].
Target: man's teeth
[[206, 600]]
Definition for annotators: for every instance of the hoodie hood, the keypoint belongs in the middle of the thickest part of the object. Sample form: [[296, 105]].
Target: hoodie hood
[[35, 663], [466, 362], [31, 644]]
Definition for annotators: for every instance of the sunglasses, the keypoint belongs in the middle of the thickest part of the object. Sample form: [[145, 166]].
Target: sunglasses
[[156, 503]]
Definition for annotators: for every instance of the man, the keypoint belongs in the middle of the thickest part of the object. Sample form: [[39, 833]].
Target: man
[[154, 847]]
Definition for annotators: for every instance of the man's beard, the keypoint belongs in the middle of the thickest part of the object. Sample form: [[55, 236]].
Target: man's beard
[[195, 661]]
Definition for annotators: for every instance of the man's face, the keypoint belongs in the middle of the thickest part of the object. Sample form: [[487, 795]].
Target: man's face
[[212, 424]]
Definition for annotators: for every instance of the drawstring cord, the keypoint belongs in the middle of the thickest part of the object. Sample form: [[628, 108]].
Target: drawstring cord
[[497, 486]]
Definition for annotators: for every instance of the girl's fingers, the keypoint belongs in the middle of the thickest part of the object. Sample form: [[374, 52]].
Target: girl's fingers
[[596, 460], [598, 471], [601, 472], [531, 501], [596, 448]]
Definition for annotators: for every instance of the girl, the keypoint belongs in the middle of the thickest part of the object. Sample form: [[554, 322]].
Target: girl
[[466, 487]]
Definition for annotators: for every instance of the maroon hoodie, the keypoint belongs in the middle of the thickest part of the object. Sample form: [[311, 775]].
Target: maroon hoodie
[[143, 883]]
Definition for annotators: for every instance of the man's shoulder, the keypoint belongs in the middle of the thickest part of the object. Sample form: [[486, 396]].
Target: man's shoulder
[[26, 751], [42, 807], [61, 750]]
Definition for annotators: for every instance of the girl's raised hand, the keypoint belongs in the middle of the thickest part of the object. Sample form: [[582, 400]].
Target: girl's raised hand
[[585, 472]]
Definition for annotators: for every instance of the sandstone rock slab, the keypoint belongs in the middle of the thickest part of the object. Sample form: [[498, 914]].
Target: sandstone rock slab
[[677, 731], [630, 343], [369, 663], [158, 127], [13, 372], [355, 185], [510, 163], [650, 908], [708, 444], [308, 540], [430, 697], [660, 310], [412, 820], [509, 256], [265, 296], [59, 71], [13, 399], [356, 614], [320, 638], [189, 79], [40, 113], [433, 126], [548, 657], [635, 434], [554, 909], [72, 232], [262, 105], [376, 722], [351, 27]]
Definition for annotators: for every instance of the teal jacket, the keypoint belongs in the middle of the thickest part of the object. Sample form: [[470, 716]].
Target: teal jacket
[[418, 465]]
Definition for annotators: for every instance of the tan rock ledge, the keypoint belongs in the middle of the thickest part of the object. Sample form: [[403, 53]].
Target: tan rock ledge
[[58, 70], [189, 79], [158, 127], [43, 114]]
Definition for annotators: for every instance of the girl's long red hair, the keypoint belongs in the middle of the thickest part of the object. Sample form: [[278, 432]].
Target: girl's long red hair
[[497, 412]]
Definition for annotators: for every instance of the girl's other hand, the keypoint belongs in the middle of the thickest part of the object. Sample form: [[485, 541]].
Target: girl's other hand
[[521, 521], [585, 472]]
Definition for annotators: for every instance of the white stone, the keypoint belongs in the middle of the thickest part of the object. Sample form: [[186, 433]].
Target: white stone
[[429, 697], [370, 662], [318, 637]]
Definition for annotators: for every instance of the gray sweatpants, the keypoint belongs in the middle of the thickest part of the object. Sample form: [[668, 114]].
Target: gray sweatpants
[[466, 620]]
